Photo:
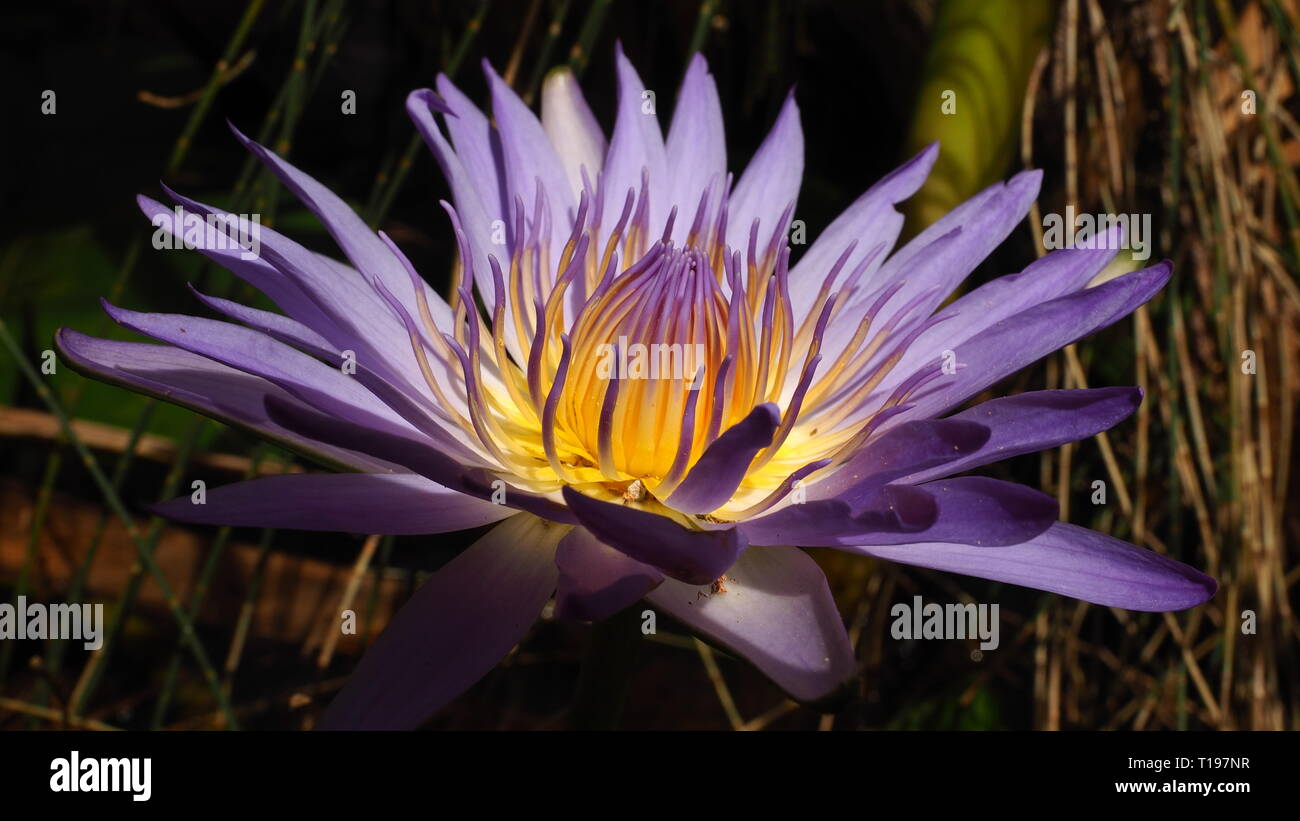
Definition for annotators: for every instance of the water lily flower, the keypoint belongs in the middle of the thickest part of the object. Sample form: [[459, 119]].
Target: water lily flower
[[552, 395]]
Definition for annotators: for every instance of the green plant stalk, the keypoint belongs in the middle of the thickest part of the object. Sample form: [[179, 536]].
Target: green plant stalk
[[708, 8], [970, 97], [54, 650], [1291, 43], [172, 675], [1289, 188], [39, 510], [377, 574], [115, 503], [552, 38], [85, 691], [200, 111], [54, 463], [580, 54], [171, 678], [136, 578], [385, 200], [245, 620]]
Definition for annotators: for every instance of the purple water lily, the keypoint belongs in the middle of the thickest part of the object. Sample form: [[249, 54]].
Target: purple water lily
[[633, 382]]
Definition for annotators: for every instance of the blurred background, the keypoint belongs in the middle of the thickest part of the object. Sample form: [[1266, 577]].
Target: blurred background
[[1184, 110]]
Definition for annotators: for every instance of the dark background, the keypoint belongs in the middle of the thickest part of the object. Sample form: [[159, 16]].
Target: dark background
[[69, 222]]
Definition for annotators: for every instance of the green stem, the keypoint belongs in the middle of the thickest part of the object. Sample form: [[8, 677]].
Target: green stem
[[387, 193], [143, 548]]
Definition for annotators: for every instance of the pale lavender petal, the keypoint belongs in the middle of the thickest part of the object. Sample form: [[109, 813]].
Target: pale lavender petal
[[388, 503], [280, 289], [1072, 561], [938, 259], [572, 128], [478, 148], [943, 264], [871, 221], [357, 318], [472, 192], [529, 160], [430, 459], [455, 629], [279, 326], [696, 149], [778, 613], [418, 413], [637, 143], [597, 581], [990, 208], [362, 246]]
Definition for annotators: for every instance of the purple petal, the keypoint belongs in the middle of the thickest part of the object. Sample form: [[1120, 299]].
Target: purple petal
[[367, 434], [871, 221], [477, 148], [938, 259], [718, 472], [1034, 421], [892, 509], [202, 385], [478, 200], [1058, 274], [279, 326], [254, 352], [695, 556], [1015, 343], [778, 613], [529, 158], [361, 245], [906, 449], [388, 503], [984, 221], [944, 263], [697, 148], [979, 511], [280, 289], [597, 581], [320, 385], [455, 629], [419, 415], [356, 317], [637, 143], [1072, 561]]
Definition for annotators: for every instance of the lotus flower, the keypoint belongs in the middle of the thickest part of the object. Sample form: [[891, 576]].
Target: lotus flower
[[812, 412]]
